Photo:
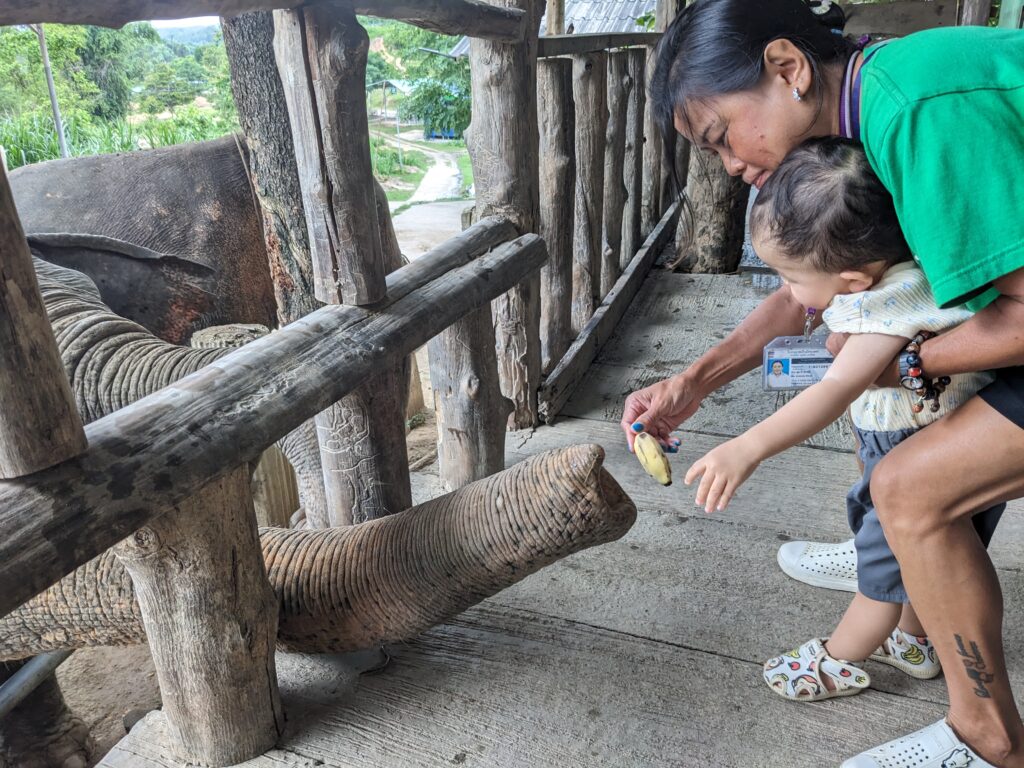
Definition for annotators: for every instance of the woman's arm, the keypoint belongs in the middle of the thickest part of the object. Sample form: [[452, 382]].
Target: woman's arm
[[993, 338], [663, 406], [728, 466]]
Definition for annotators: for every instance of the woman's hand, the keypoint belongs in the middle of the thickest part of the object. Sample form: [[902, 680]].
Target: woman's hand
[[660, 408], [722, 471]]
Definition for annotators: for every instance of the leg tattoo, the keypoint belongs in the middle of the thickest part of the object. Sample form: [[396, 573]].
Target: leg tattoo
[[975, 666]]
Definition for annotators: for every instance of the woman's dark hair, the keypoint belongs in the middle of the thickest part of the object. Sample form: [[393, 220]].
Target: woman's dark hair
[[714, 47], [825, 205]]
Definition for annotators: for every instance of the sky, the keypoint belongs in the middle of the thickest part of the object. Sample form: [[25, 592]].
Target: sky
[[195, 21]]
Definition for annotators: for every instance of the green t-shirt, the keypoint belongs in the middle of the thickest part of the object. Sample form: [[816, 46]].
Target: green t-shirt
[[942, 122]]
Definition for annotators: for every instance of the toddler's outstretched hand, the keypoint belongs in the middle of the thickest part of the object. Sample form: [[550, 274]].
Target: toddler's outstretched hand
[[722, 471]]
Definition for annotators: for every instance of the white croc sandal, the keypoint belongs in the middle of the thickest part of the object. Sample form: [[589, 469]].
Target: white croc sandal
[[913, 655], [933, 747], [799, 674], [832, 566]]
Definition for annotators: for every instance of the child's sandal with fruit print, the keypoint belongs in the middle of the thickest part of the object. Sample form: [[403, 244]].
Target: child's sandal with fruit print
[[800, 674]]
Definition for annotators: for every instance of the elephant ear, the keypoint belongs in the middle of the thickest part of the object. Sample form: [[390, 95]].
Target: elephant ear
[[166, 294]]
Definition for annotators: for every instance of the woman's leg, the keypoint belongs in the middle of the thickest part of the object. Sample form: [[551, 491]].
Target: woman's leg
[[925, 492], [863, 628]]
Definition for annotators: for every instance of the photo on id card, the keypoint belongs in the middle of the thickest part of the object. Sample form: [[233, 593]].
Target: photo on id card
[[794, 362]]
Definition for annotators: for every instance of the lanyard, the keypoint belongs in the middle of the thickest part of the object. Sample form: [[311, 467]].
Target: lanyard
[[849, 97]]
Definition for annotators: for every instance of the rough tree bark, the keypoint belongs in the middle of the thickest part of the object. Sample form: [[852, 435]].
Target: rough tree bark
[[589, 88], [211, 622], [321, 54], [503, 151], [633, 161], [711, 238], [557, 121], [620, 86]]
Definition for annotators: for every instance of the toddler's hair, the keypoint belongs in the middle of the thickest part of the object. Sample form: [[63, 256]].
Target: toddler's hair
[[825, 205]]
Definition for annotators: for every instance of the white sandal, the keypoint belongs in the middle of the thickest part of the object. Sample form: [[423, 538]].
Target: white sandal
[[832, 566], [799, 674], [913, 655], [935, 746]]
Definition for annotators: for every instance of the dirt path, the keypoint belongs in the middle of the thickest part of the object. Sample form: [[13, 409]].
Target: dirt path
[[442, 181]]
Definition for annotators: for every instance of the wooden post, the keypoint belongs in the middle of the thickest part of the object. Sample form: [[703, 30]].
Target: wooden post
[[557, 119], [504, 156], [718, 202], [39, 425], [615, 194], [975, 13], [555, 18], [589, 88], [211, 622], [470, 410], [321, 53], [633, 161]]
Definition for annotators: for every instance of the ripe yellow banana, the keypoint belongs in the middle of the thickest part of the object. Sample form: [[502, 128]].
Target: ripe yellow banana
[[652, 458]]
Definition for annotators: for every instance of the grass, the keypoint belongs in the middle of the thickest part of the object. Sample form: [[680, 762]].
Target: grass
[[466, 172]]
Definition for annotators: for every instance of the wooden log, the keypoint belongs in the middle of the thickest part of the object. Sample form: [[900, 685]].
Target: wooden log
[[453, 17], [557, 120], [562, 381], [620, 86], [718, 204], [504, 156], [975, 13], [650, 197], [39, 424], [574, 45], [633, 161], [555, 18], [470, 417], [211, 623], [589, 89], [326, 58], [162, 449]]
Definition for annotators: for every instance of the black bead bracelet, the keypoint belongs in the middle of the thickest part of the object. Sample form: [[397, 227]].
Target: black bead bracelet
[[912, 375]]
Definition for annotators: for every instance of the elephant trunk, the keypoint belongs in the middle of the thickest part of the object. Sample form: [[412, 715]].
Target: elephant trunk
[[385, 580]]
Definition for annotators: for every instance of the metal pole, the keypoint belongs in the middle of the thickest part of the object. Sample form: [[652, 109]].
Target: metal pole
[[25, 680], [61, 141]]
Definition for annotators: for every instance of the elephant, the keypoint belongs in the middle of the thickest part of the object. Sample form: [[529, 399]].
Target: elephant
[[385, 580], [171, 236]]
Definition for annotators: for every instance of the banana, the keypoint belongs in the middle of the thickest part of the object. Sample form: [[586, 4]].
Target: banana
[[652, 458]]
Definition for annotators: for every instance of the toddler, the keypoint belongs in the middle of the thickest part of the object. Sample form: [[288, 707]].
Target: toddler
[[826, 224]]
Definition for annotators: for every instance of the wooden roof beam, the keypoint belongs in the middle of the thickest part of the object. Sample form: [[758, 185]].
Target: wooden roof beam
[[452, 17]]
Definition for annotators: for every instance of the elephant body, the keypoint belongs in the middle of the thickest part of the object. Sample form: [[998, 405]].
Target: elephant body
[[171, 236]]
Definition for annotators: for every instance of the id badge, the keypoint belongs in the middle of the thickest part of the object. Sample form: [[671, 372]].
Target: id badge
[[794, 362]]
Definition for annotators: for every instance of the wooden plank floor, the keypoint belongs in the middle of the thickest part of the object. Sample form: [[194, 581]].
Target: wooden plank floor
[[643, 652]]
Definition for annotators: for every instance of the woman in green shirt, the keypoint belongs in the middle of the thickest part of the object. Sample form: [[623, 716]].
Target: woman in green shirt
[[940, 114]]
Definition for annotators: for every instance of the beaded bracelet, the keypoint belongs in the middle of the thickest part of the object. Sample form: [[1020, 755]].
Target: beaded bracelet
[[912, 376]]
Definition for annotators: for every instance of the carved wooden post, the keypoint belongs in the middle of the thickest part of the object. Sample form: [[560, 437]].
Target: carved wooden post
[[470, 409], [650, 205], [619, 87], [321, 52], [504, 156], [39, 425], [589, 87], [211, 622], [557, 118], [633, 161]]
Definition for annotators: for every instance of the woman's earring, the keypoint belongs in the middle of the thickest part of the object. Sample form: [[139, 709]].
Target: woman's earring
[[796, 94]]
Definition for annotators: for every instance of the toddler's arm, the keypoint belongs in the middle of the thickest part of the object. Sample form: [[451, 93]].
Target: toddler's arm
[[728, 466]]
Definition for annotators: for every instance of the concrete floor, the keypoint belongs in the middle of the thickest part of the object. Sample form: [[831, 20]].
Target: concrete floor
[[643, 652]]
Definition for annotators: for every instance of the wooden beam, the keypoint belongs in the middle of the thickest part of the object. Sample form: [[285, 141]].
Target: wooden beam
[[898, 18], [572, 45], [503, 152], [589, 90], [39, 424], [452, 17], [163, 449], [557, 120], [559, 386], [633, 162], [620, 86], [211, 623], [555, 18]]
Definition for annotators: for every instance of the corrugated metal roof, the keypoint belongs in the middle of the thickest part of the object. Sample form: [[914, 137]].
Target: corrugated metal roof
[[590, 16]]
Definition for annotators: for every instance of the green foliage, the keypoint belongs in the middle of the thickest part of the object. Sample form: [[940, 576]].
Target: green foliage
[[442, 105], [378, 68], [646, 21], [385, 159]]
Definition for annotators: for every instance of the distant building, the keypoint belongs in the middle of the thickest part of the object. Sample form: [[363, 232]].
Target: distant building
[[589, 17]]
